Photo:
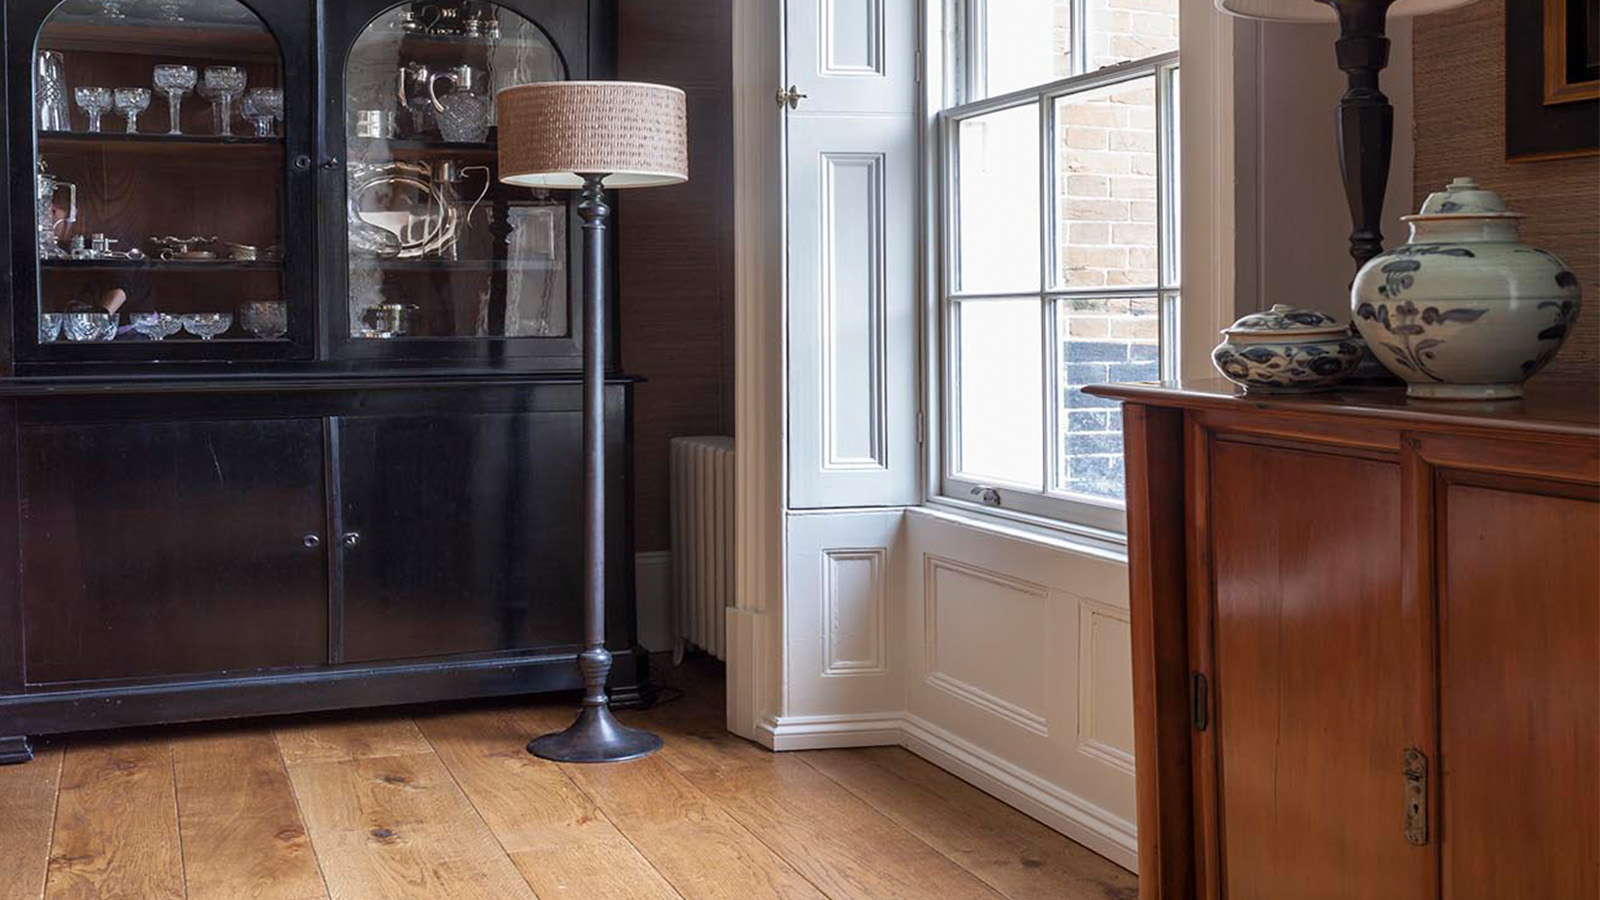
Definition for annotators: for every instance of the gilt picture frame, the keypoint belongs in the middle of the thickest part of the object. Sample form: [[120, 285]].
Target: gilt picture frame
[[1552, 79]]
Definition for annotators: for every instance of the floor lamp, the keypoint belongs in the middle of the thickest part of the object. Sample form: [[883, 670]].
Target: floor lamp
[[1366, 120], [593, 136]]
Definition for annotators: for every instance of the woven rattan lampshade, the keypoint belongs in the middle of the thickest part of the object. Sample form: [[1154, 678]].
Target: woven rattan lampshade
[[554, 133], [1317, 11]]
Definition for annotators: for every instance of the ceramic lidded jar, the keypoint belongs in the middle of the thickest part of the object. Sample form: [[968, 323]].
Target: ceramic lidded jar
[[1287, 350], [1464, 310]]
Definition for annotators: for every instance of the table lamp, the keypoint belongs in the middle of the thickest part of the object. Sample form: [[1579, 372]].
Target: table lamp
[[593, 135], [1366, 120]]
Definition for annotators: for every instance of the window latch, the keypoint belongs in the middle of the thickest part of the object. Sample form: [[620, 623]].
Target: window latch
[[988, 496]]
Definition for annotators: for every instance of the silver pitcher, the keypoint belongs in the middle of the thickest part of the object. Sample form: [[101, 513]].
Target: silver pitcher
[[46, 186], [50, 89]]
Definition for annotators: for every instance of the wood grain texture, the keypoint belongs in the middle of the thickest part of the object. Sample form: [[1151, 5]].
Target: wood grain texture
[[332, 740], [27, 814], [1520, 718], [835, 839], [398, 828], [560, 841], [1296, 663], [1459, 78], [675, 256], [242, 834], [116, 829], [1015, 855]]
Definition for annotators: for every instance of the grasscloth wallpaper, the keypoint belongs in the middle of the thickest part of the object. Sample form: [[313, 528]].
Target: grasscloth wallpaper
[[1459, 74]]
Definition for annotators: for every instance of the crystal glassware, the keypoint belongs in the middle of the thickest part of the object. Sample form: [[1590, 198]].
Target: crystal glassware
[[131, 101], [49, 327], [112, 9], [263, 106], [50, 87], [82, 327], [156, 325], [172, 10], [206, 326], [175, 82], [94, 101], [266, 319], [224, 84]]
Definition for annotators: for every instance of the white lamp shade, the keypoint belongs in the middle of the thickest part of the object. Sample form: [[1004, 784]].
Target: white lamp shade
[[1315, 11], [554, 133]]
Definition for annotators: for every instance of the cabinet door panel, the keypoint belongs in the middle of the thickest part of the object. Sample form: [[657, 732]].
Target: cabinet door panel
[[1309, 677], [1519, 599], [169, 548], [471, 532]]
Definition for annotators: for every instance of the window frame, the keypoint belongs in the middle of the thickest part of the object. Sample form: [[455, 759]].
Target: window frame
[[1097, 518]]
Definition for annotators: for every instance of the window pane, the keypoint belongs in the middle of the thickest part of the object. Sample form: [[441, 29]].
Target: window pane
[[997, 205], [1101, 340], [1000, 389], [1106, 186], [1119, 30], [1026, 43], [1174, 194]]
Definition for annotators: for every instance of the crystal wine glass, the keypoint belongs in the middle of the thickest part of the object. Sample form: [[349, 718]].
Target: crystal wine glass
[[156, 326], [94, 101], [206, 326], [263, 106], [224, 84], [175, 81], [131, 101]]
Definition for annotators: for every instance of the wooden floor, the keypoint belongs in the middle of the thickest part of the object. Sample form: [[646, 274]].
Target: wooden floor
[[441, 803]]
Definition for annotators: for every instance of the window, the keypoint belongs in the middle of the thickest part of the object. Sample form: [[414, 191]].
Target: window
[[1059, 246]]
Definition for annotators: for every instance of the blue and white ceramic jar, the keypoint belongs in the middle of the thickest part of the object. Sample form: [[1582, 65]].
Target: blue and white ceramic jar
[[1464, 310], [1286, 350]]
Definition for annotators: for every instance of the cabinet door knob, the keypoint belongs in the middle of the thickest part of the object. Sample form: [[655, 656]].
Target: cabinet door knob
[[331, 163], [311, 541], [302, 162], [790, 98], [352, 538]]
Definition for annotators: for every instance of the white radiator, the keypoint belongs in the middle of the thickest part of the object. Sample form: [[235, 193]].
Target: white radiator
[[702, 541]]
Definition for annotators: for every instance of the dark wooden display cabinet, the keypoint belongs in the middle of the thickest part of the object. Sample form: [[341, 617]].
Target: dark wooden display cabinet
[[361, 483]]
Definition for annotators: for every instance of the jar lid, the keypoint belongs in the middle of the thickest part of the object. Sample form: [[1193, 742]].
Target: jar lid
[[1463, 197], [1286, 321]]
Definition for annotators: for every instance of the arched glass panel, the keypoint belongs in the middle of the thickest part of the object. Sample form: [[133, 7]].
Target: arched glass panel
[[159, 178], [438, 248]]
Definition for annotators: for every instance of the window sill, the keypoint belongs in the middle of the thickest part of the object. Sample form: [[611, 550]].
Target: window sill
[[1042, 533]]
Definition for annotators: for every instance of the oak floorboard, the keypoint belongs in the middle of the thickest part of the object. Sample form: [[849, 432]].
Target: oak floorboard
[[1010, 852], [116, 828], [27, 817], [366, 737], [398, 828], [560, 841], [701, 850], [242, 834]]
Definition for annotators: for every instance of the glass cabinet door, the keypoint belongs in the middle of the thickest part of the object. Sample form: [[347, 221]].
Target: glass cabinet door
[[438, 250], [160, 179]]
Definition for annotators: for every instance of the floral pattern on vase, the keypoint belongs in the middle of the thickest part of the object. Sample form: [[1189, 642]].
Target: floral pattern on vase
[[1287, 350]]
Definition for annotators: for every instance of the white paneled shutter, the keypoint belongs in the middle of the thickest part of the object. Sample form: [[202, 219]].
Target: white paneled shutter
[[852, 232]]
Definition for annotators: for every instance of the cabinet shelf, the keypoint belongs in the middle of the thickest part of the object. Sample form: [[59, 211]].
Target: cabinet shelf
[[156, 265], [57, 142], [375, 148], [444, 265]]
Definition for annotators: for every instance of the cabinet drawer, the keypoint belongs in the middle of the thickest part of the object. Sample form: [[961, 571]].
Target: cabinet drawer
[[171, 547]]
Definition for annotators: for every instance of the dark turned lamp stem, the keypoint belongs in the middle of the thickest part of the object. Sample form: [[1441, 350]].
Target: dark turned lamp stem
[[1366, 120], [596, 735]]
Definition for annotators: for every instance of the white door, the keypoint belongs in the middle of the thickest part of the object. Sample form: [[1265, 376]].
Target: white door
[[851, 222]]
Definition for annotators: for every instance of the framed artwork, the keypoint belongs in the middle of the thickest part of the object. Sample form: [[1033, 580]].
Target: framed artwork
[[1552, 79]]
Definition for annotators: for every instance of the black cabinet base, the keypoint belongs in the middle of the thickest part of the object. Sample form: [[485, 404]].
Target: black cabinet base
[[56, 712], [15, 750]]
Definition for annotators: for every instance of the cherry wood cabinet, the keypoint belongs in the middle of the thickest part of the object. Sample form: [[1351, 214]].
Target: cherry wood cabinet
[[1366, 644]]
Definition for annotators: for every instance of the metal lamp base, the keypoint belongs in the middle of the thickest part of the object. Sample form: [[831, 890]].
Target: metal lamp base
[[595, 737]]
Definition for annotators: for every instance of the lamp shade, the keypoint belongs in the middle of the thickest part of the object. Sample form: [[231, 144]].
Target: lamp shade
[[554, 133], [1317, 11]]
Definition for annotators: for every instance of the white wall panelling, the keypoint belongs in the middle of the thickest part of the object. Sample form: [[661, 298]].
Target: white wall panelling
[[853, 56]]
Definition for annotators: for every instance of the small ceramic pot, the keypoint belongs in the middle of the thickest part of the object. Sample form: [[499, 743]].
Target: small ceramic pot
[[1286, 350], [1463, 310]]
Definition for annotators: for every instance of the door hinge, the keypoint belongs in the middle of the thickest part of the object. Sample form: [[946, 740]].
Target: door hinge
[[1200, 701], [1415, 772]]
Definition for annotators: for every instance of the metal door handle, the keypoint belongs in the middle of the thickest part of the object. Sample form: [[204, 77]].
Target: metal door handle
[[311, 541], [791, 97], [351, 538]]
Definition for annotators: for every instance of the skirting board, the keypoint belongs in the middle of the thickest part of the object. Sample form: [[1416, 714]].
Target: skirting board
[[652, 580], [832, 732], [1106, 834]]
